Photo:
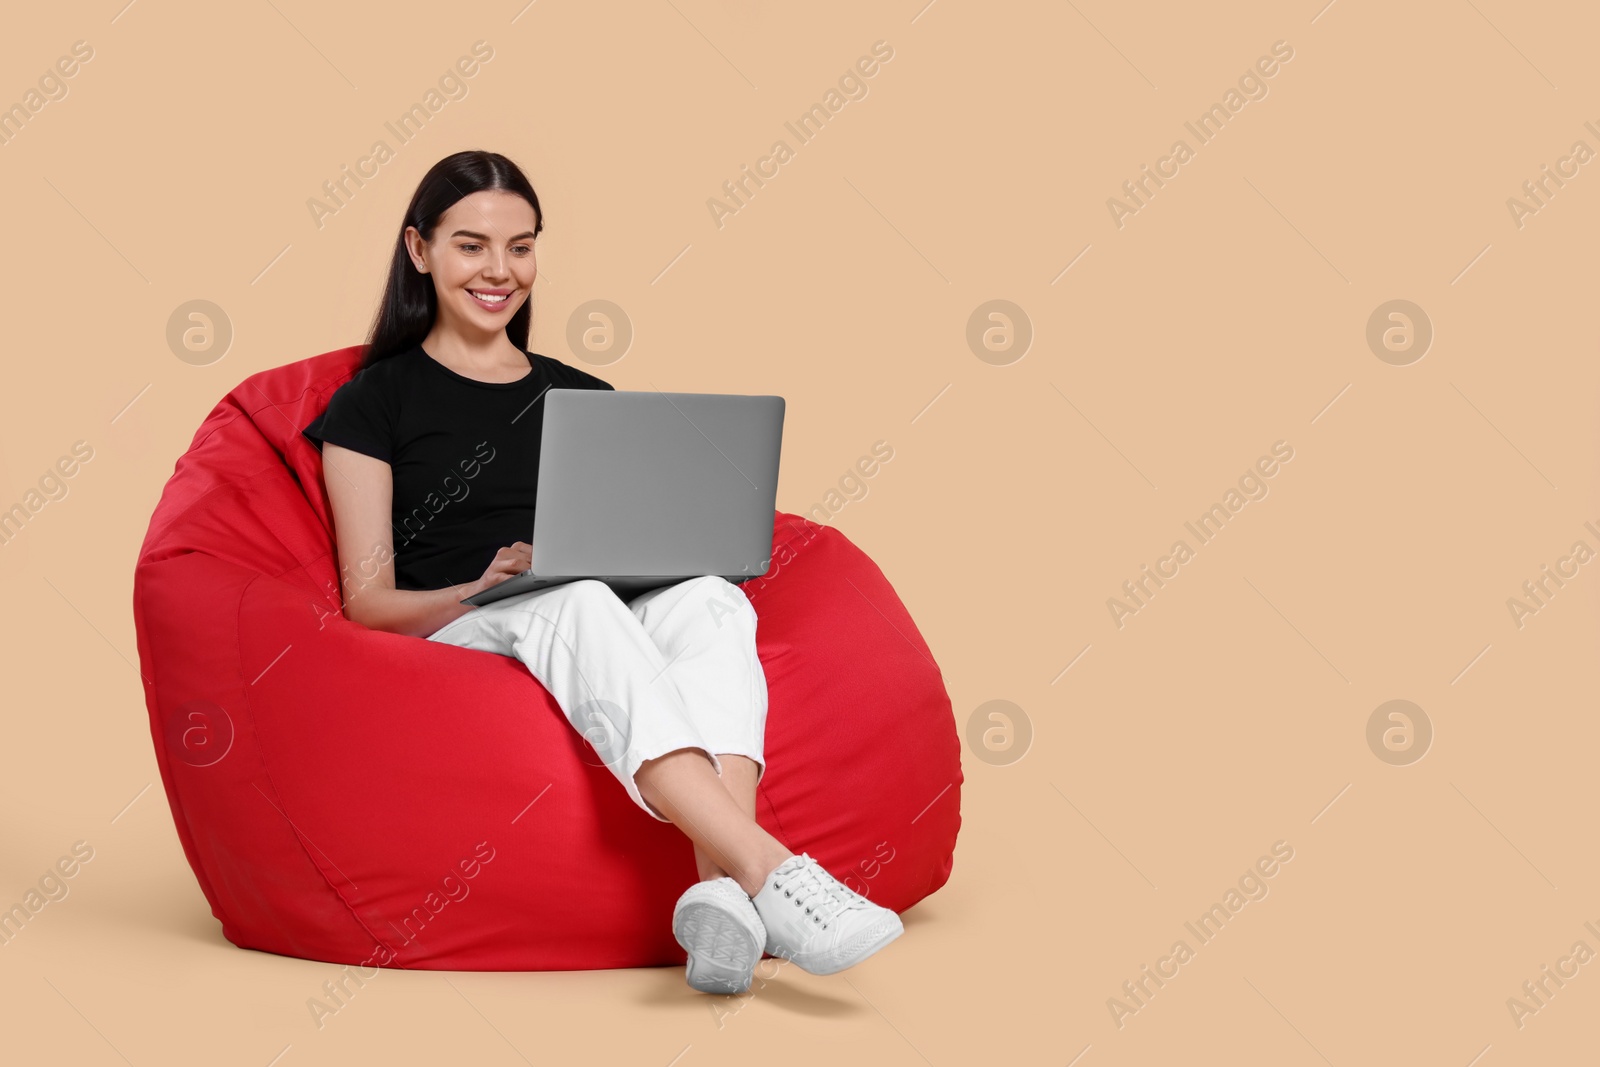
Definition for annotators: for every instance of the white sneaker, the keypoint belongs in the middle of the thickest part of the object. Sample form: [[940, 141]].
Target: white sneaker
[[718, 927], [817, 923]]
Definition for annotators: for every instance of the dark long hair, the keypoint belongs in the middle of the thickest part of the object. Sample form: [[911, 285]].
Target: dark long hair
[[409, 303]]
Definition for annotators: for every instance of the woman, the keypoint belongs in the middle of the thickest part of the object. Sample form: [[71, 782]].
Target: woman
[[427, 453]]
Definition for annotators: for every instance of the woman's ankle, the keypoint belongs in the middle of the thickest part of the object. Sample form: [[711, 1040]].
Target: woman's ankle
[[709, 872], [753, 877]]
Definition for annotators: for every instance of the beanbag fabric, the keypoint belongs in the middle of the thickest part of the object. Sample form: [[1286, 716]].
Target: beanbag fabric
[[362, 797]]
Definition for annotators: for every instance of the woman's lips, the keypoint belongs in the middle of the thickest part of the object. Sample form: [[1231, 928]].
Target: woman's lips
[[491, 305]]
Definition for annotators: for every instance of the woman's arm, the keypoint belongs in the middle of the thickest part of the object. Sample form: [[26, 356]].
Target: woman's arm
[[360, 491]]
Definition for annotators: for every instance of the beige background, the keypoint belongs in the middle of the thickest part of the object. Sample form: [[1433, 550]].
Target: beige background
[[1230, 312]]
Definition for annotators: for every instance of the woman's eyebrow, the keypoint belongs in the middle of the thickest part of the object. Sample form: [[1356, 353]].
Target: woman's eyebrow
[[485, 237]]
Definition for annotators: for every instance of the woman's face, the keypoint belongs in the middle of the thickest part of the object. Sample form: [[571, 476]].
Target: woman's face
[[481, 260]]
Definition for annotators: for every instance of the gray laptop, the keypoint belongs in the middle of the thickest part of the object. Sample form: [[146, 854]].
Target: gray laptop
[[645, 489]]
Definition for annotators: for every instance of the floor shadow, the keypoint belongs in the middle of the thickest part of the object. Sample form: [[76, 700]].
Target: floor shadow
[[184, 916], [770, 985]]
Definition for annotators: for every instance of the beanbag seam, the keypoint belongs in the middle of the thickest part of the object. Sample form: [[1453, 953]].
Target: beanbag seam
[[333, 600], [235, 414], [192, 504], [314, 387]]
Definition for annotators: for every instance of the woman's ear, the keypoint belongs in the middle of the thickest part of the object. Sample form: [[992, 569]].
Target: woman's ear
[[414, 247]]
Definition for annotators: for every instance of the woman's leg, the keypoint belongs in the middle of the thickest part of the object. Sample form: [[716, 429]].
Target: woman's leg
[[612, 682], [688, 791], [705, 627], [739, 779]]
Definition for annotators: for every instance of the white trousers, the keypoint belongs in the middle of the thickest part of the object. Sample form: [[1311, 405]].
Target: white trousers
[[672, 668]]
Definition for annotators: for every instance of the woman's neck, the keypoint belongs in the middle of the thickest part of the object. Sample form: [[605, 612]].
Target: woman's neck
[[486, 359]]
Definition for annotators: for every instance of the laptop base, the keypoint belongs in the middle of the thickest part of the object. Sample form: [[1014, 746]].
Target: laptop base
[[626, 586]]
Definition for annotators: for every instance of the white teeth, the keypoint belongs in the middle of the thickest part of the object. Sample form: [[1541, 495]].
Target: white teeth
[[490, 299]]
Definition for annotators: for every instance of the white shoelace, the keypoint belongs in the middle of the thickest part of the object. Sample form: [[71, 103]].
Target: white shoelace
[[814, 892]]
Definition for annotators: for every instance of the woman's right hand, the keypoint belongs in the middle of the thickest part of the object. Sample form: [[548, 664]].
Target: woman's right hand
[[507, 564]]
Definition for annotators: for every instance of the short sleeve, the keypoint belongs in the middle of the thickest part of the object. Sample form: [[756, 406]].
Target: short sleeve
[[359, 416]]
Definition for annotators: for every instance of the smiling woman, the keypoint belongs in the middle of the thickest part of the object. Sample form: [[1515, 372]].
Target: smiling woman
[[445, 387], [446, 366]]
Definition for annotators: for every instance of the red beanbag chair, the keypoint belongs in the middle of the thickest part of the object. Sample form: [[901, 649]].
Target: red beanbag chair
[[362, 797]]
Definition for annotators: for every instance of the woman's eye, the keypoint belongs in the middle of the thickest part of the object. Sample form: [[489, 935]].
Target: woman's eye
[[468, 246]]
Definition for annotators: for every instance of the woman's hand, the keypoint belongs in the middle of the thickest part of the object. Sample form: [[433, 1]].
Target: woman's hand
[[507, 564]]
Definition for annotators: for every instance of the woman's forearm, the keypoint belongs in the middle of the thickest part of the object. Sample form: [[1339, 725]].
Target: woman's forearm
[[412, 612]]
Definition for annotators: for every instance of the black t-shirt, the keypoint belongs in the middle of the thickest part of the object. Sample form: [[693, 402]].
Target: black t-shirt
[[464, 456]]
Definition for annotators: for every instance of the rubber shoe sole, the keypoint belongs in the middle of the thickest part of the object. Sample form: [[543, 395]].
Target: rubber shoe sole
[[870, 941], [863, 945], [723, 943]]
